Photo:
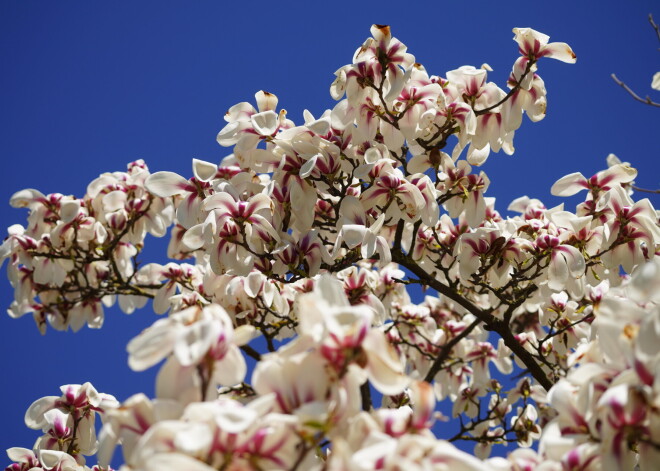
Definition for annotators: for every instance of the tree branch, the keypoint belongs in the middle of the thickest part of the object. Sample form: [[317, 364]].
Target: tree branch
[[511, 92], [500, 327], [646, 101]]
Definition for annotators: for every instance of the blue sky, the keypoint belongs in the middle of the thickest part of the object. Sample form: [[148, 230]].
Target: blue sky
[[86, 87]]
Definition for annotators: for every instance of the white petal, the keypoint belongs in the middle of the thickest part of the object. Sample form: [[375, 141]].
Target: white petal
[[69, 210], [569, 185], [23, 198], [561, 52], [174, 462], [34, 417], [196, 340], [152, 345], [265, 123], [655, 83], [266, 101], [193, 238], [353, 234], [114, 201], [231, 369], [165, 184], [476, 156], [384, 368], [204, 171]]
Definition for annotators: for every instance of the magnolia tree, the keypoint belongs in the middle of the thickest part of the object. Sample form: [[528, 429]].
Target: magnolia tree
[[288, 338]]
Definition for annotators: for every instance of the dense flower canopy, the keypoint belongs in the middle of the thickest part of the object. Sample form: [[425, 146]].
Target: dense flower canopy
[[288, 338]]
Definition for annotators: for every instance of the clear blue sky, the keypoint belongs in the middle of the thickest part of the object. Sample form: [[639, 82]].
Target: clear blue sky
[[86, 87]]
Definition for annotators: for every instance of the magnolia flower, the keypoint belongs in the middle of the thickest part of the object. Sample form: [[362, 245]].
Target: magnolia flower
[[68, 421], [353, 231], [396, 196], [601, 182], [565, 261], [202, 349], [189, 211], [345, 337], [534, 45]]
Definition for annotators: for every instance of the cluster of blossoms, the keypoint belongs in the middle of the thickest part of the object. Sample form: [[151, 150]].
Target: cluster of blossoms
[[301, 244], [68, 423], [75, 255]]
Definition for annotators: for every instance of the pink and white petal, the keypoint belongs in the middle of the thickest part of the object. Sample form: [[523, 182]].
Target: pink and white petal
[[469, 262], [619, 174], [263, 226], [475, 209], [223, 201], [58, 459]]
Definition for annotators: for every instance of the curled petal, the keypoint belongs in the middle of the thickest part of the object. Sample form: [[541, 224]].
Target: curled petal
[[265, 123], [561, 52], [165, 184], [569, 185]]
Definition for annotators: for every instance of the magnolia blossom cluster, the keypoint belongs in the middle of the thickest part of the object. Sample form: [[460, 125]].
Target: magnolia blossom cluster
[[289, 339], [68, 424], [75, 255]]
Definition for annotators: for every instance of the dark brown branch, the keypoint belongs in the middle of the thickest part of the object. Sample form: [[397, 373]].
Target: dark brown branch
[[366, 396], [528, 68], [492, 323], [251, 352], [439, 361]]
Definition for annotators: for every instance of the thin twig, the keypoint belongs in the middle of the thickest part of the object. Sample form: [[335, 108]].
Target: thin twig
[[646, 101], [654, 26], [644, 190]]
